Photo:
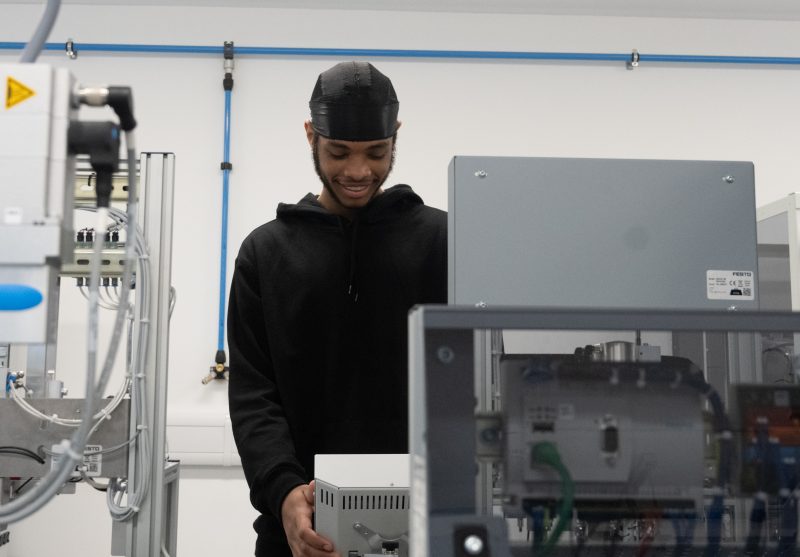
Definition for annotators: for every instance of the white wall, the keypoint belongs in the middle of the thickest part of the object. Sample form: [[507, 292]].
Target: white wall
[[448, 107]]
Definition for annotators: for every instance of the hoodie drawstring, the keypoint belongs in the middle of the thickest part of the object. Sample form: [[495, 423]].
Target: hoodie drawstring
[[352, 287]]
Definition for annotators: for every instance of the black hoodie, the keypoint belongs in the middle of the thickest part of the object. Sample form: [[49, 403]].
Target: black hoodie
[[317, 331]]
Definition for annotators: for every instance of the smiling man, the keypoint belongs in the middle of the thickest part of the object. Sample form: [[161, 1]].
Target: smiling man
[[354, 170], [317, 322]]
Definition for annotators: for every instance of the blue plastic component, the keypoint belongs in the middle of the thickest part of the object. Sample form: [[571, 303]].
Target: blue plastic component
[[18, 297], [10, 378]]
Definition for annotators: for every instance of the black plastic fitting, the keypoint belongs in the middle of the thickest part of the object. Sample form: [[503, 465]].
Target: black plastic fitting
[[99, 140], [120, 99]]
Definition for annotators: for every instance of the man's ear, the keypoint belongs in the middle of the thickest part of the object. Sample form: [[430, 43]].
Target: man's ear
[[309, 131]]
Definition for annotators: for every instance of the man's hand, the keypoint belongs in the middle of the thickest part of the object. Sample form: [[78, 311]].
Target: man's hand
[[296, 513]]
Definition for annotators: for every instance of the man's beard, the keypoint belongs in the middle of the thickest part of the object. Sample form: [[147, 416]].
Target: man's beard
[[326, 184]]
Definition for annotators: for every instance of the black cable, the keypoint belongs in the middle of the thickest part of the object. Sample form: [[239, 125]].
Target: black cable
[[21, 451], [26, 482]]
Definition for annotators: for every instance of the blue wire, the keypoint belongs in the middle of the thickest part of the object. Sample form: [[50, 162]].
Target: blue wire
[[714, 528], [536, 514], [223, 257], [437, 54], [758, 514], [787, 504], [684, 523]]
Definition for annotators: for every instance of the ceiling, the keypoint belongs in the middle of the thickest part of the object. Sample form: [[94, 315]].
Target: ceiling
[[717, 9]]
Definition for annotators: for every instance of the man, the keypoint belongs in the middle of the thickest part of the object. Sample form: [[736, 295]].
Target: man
[[317, 325]]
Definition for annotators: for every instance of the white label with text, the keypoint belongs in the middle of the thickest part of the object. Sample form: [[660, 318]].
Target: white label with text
[[730, 285]]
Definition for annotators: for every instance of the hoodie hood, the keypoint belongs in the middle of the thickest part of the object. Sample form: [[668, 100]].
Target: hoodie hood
[[393, 201]]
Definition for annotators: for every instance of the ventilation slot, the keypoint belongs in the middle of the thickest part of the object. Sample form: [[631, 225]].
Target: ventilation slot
[[326, 498], [384, 502]]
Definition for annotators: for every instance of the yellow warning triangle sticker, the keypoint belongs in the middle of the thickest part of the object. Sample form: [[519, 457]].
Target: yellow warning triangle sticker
[[16, 92]]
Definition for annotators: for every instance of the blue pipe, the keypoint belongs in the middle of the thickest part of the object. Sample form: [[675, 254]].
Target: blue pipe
[[700, 59], [108, 47], [455, 54], [441, 54], [223, 258]]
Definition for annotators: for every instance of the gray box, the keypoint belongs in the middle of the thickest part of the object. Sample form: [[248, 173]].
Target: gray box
[[556, 232], [657, 452], [362, 502], [22, 430]]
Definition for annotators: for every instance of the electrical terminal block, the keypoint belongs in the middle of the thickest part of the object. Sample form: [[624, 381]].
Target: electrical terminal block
[[112, 263]]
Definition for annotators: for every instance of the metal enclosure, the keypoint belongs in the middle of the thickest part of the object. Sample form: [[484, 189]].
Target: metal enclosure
[[23, 430], [36, 212], [779, 253], [556, 232], [658, 437]]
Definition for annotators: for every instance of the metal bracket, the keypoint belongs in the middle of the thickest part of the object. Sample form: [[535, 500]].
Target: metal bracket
[[374, 539], [69, 48], [633, 63]]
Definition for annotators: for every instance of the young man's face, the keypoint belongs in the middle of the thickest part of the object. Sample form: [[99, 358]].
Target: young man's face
[[352, 172]]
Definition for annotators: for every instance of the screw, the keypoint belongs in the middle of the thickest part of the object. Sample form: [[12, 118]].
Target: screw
[[732, 308], [728, 179], [481, 174], [445, 354], [473, 545], [481, 305], [490, 436]]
